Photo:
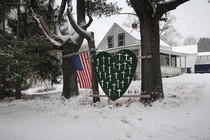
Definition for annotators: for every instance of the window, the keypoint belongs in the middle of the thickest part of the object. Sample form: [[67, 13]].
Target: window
[[110, 42], [121, 39]]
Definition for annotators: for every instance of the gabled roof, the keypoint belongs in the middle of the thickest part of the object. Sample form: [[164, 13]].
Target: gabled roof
[[133, 32]]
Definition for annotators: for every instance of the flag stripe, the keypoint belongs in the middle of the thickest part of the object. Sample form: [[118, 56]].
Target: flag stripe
[[84, 76]]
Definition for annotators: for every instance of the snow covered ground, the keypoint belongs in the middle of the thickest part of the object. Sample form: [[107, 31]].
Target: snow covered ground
[[184, 114]]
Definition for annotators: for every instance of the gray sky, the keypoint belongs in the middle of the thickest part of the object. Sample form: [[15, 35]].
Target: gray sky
[[193, 19]]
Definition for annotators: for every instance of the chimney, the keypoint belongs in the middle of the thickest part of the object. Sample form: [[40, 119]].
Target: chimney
[[134, 25]]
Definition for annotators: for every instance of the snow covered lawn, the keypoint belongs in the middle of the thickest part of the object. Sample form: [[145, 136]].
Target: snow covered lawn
[[184, 114]]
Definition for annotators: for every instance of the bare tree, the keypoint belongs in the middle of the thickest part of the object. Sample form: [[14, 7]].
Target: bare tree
[[168, 32], [190, 40], [71, 43], [67, 43], [150, 13]]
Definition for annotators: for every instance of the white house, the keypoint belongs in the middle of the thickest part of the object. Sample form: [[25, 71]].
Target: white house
[[194, 58], [190, 59], [118, 38]]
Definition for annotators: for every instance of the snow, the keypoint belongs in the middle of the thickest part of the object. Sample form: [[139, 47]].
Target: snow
[[184, 114], [203, 53], [190, 49]]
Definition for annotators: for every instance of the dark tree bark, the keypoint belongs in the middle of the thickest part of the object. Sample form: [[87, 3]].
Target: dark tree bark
[[91, 44], [149, 14], [70, 87], [151, 72], [2, 91], [18, 88]]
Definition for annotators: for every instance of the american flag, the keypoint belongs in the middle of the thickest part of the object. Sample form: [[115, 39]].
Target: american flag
[[82, 65]]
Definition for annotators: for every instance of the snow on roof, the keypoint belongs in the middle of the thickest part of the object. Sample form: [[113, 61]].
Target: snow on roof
[[136, 34], [190, 49], [162, 43], [203, 53]]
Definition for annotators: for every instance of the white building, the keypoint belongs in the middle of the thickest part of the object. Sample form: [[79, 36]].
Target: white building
[[190, 59], [118, 38]]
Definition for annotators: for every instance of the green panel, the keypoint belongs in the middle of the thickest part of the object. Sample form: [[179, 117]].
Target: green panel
[[115, 73]]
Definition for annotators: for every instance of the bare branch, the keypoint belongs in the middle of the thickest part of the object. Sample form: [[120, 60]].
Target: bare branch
[[166, 6], [51, 36], [77, 28], [127, 14], [89, 22], [60, 11]]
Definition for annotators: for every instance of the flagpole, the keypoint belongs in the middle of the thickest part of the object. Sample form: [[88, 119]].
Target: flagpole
[[94, 79], [77, 53]]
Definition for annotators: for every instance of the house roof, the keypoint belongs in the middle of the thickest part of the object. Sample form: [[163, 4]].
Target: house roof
[[203, 53], [190, 49], [134, 33]]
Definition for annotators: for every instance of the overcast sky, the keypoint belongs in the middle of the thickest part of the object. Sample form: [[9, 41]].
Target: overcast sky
[[193, 19]]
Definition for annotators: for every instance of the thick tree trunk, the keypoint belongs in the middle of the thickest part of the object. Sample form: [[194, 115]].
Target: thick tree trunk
[[70, 86], [151, 71]]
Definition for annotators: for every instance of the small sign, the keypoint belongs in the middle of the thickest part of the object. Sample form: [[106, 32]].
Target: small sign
[[115, 73]]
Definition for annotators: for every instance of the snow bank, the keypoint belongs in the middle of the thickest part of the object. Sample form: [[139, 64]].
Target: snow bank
[[183, 114]]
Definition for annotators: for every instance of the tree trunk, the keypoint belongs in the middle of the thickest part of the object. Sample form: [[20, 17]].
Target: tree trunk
[[151, 71], [91, 44], [18, 88], [2, 87], [2, 91], [70, 86]]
